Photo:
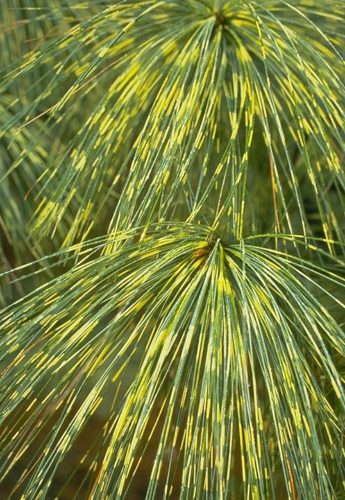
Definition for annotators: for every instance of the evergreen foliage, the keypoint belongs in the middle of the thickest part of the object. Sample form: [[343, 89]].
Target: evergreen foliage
[[172, 234]]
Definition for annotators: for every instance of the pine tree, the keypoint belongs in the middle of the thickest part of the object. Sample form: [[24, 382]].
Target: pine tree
[[172, 239]]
